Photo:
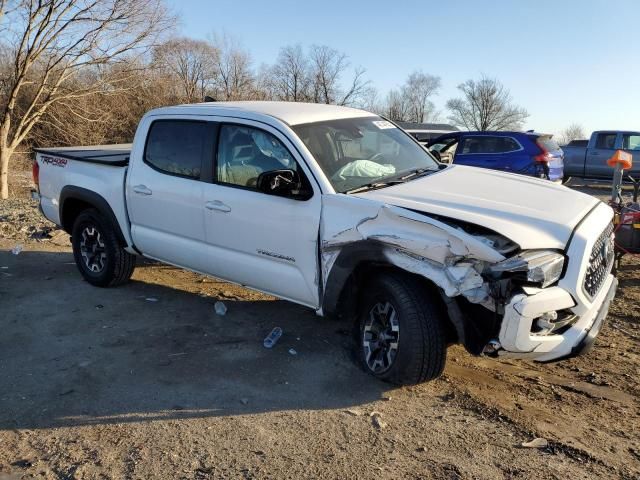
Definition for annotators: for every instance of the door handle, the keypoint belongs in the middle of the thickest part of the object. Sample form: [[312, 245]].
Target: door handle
[[218, 206], [142, 190]]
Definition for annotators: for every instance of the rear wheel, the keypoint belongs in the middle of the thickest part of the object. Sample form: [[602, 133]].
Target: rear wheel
[[401, 337], [98, 254]]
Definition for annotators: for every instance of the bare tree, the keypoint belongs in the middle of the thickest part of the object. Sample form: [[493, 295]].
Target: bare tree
[[572, 132], [289, 77], [51, 42], [485, 105], [417, 91], [396, 107], [191, 62], [234, 76], [327, 66], [370, 101]]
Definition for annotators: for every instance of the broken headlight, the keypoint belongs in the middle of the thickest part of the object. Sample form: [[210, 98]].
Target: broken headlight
[[543, 267]]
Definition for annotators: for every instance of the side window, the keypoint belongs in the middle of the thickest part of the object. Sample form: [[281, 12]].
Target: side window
[[509, 145], [606, 140], [487, 144], [245, 152], [631, 141], [471, 145], [177, 147]]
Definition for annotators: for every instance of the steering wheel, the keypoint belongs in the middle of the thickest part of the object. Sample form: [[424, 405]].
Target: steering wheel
[[377, 156]]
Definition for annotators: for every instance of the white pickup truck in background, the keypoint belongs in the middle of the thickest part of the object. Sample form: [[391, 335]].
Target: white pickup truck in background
[[339, 210]]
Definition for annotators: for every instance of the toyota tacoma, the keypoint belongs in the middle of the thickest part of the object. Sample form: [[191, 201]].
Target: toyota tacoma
[[340, 210]]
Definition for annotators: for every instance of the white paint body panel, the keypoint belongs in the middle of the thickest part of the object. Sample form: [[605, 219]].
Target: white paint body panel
[[533, 213], [107, 181]]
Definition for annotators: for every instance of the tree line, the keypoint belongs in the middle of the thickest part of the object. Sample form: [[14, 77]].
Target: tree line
[[84, 72]]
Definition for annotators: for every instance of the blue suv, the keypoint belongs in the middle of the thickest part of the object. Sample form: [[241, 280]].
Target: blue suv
[[527, 153]]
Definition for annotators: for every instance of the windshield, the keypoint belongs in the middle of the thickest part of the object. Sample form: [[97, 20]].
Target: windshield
[[355, 152]]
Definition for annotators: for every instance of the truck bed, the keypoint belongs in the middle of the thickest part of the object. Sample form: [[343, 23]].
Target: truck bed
[[116, 155]]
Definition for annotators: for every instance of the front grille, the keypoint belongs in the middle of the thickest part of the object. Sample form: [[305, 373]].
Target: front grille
[[600, 262]]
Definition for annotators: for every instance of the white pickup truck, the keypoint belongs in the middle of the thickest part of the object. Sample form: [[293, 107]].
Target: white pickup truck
[[338, 209]]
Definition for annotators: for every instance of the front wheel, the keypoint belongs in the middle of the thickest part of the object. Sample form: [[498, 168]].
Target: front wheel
[[101, 259], [402, 336]]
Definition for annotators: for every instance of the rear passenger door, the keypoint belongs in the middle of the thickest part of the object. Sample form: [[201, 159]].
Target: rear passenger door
[[165, 190], [598, 154], [260, 240]]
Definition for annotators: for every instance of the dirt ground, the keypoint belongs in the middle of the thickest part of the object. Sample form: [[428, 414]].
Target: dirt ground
[[145, 381]]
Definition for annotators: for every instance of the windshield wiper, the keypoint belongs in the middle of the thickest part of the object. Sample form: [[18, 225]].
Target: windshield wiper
[[418, 172], [374, 186]]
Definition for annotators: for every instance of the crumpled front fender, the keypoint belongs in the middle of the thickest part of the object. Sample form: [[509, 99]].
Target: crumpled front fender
[[449, 257]]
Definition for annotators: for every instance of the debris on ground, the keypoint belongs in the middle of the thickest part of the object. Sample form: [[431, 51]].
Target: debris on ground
[[17, 249], [292, 351], [20, 219], [536, 443], [376, 420], [355, 413], [272, 338], [220, 308], [151, 299], [60, 238], [244, 401]]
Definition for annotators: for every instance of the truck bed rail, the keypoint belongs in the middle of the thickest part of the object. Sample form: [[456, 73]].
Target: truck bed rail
[[112, 155]]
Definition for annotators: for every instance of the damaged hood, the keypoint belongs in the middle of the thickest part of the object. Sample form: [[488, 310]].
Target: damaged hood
[[533, 213]]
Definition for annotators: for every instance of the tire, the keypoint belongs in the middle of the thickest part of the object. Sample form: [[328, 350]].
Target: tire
[[98, 254], [414, 346]]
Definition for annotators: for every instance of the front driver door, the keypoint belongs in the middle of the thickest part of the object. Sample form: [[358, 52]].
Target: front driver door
[[255, 239], [598, 154]]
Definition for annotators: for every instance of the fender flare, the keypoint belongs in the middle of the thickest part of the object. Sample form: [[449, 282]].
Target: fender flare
[[349, 259], [71, 192]]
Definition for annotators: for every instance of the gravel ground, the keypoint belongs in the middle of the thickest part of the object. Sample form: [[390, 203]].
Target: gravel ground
[[146, 381]]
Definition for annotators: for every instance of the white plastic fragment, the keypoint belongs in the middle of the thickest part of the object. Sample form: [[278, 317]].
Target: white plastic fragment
[[536, 443], [151, 299], [220, 308], [292, 351], [17, 249]]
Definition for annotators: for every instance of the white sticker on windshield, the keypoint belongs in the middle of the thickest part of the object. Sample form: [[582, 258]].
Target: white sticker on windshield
[[383, 124]]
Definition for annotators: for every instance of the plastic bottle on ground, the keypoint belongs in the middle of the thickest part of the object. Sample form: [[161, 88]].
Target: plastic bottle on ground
[[220, 308], [272, 338]]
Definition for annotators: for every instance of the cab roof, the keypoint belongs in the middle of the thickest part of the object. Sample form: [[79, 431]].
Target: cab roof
[[291, 113]]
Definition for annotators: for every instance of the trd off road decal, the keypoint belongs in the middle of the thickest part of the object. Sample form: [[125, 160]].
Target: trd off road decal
[[56, 162]]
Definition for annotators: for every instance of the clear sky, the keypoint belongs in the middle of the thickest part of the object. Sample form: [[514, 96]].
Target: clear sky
[[565, 61]]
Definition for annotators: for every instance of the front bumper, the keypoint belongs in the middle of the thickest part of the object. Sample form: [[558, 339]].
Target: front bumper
[[518, 341]]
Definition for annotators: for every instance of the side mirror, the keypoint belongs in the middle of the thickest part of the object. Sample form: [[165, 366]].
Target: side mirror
[[284, 183]]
